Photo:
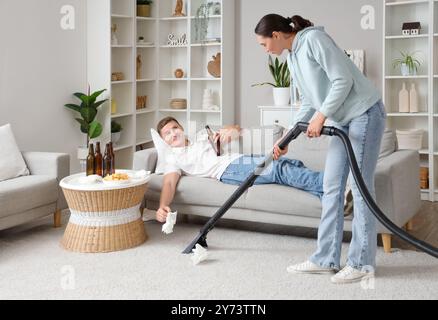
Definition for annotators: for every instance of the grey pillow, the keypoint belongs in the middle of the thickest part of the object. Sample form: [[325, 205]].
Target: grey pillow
[[389, 143]]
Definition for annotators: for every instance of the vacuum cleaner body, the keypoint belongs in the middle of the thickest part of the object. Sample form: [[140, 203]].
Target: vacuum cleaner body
[[292, 134]]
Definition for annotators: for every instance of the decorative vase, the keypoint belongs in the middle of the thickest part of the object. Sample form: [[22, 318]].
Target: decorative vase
[[115, 137], [403, 99], [281, 96], [404, 70], [143, 10], [413, 99]]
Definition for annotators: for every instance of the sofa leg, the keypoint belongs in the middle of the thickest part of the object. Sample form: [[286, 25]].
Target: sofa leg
[[57, 219], [386, 239], [409, 225]]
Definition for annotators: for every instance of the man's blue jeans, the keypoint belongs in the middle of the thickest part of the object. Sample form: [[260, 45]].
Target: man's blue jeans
[[284, 171]]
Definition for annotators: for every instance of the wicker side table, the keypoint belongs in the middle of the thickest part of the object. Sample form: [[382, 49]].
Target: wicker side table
[[104, 217]]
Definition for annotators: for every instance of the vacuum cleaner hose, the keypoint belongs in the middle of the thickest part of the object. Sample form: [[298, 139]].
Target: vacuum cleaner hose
[[333, 131]]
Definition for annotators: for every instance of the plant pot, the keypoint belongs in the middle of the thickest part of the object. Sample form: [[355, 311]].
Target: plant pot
[[281, 96], [406, 72], [143, 10], [115, 137]]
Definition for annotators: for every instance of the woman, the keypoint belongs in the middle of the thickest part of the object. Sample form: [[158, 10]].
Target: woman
[[332, 87]]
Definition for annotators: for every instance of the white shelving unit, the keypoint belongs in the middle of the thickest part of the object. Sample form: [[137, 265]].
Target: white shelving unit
[[159, 61], [426, 80]]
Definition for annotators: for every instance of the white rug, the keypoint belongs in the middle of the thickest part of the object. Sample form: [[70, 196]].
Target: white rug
[[242, 265]]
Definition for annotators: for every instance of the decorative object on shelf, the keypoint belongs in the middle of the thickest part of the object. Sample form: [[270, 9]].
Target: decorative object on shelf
[[88, 110], [214, 66], [217, 9], [408, 64], [424, 178], [179, 9], [113, 106], [358, 58], [144, 8], [117, 76], [140, 40], [178, 103], [281, 74], [207, 101], [181, 41], [114, 40], [138, 66], [141, 102], [410, 139], [403, 99], [179, 73], [411, 28], [116, 130], [202, 19], [413, 99]]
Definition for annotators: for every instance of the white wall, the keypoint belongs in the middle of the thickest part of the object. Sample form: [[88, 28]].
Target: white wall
[[41, 65], [341, 19]]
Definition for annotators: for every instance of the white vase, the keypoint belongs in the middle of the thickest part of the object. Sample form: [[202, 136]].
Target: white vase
[[413, 99], [281, 96], [115, 137], [403, 99]]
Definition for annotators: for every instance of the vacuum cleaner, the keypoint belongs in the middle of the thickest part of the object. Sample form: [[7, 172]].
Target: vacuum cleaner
[[300, 127]]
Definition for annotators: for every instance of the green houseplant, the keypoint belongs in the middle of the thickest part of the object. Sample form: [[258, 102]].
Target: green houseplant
[[144, 8], [116, 129], [202, 19], [408, 63], [281, 74], [88, 111]]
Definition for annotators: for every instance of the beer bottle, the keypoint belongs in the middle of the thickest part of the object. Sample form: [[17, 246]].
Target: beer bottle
[[113, 159], [98, 160], [90, 160], [107, 161]]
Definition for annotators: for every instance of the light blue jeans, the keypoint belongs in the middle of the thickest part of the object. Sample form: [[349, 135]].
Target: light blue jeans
[[284, 171], [365, 133]]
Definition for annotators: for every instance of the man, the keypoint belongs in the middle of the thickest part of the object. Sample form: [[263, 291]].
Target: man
[[200, 159]]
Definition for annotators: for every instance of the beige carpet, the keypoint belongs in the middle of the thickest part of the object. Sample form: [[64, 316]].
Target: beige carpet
[[242, 265]]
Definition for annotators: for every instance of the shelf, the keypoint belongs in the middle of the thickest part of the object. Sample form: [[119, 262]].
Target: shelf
[[215, 16], [121, 16], [173, 18], [406, 77], [122, 147], [148, 110], [166, 46], [173, 79], [407, 37], [145, 18], [120, 82], [423, 151], [145, 46], [121, 46], [399, 114], [425, 191], [143, 141], [402, 3], [207, 44], [206, 79], [204, 111], [120, 115], [173, 110], [145, 80]]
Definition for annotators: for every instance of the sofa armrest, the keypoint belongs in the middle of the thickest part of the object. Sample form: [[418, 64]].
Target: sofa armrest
[[397, 185], [145, 160], [52, 164]]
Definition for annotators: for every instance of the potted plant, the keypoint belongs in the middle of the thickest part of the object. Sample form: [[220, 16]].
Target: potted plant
[[144, 8], [116, 129], [88, 111], [202, 19], [408, 64], [281, 74]]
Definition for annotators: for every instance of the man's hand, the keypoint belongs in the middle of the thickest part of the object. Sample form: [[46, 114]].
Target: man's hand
[[277, 151], [315, 126], [161, 214]]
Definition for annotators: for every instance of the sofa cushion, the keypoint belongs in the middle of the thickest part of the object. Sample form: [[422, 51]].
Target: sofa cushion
[[11, 161], [27, 192], [389, 143]]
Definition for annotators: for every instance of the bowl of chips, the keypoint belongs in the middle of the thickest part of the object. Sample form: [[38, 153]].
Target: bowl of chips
[[117, 178]]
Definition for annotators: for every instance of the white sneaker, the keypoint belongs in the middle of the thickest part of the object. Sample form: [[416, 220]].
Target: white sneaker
[[309, 267], [349, 275]]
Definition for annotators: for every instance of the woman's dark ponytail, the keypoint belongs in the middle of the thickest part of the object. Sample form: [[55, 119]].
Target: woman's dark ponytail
[[274, 22]]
